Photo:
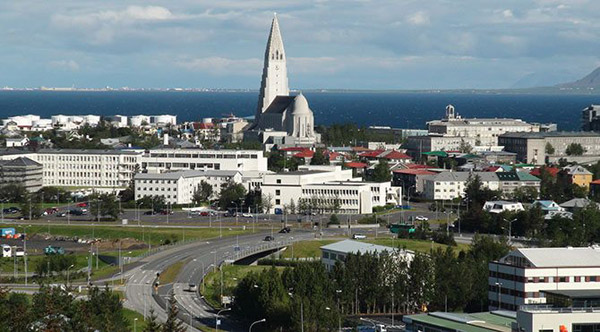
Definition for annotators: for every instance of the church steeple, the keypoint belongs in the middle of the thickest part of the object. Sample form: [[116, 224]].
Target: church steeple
[[274, 78]]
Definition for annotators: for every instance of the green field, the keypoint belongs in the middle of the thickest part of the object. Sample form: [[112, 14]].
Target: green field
[[232, 274], [131, 316], [312, 248], [146, 234], [170, 273]]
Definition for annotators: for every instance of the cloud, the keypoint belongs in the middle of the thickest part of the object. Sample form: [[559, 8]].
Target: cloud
[[221, 65], [418, 18], [65, 64], [507, 13]]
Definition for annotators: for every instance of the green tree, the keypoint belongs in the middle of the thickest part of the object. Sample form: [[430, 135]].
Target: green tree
[[14, 193], [104, 205], [464, 147], [231, 195], [152, 325], [319, 157], [31, 208], [575, 149], [173, 324], [550, 149], [381, 172], [202, 193]]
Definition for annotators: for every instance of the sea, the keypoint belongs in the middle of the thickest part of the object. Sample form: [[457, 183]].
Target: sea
[[394, 109]]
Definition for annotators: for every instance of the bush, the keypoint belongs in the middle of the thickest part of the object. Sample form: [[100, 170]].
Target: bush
[[441, 237], [334, 220]]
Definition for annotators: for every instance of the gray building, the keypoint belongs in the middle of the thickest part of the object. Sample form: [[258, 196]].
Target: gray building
[[22, 170], [532, 147], [590, 118]]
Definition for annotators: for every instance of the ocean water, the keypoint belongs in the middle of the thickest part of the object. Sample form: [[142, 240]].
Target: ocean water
[[400, 110]]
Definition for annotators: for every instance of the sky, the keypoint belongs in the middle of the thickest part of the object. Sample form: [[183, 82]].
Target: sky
[[330, 44]]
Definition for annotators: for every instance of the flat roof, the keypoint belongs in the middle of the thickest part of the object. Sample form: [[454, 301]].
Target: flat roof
[[476, 322], [353, 247], [559, 257], [551, 134], [70, 151], [184, 174]]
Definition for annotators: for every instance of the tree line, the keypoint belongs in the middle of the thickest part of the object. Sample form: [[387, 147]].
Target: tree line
[[368, 283]]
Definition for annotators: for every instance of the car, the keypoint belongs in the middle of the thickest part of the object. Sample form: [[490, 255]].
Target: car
[[229, 214], [205, 213], [247, 215], [82, 204], [62, 214], [165, 212], [147, 213], [421, 218], [192, 287], [269, 238], [285, 230], [359, 236]]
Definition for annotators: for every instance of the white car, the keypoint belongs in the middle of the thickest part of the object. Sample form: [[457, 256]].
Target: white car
[[247, 215], [359, 236], [421, 218]]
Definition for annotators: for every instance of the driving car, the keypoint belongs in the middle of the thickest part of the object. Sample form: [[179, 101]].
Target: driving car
[[359, 236], [269, 238], [247, 215], [421, 218], [285, 230]]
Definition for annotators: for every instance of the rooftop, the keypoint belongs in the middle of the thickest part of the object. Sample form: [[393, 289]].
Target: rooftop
[[184, 174], [498, 321], [576, 293], [559, 257], [551, 134], [354, 247]]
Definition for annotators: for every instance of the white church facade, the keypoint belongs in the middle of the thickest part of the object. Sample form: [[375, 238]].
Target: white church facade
[[280, 119]]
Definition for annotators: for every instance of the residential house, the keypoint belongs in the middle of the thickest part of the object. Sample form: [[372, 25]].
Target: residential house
[[502, 206], [578, 175]]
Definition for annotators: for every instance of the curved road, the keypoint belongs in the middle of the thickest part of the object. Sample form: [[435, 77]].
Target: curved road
[[200, 257]]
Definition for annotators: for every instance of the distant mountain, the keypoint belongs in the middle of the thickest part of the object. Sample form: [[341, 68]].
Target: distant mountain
[[589, 82], [545, 79]]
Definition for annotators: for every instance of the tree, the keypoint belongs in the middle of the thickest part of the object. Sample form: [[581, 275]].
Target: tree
[[173, 324], [231, 195], [464, 147], [13, 192], [267, 202], [152, 325], [202, 193], [549, 149], [381, 172], [292, 207], [575, 149], [31, 208], [104, 205], [319, 157]]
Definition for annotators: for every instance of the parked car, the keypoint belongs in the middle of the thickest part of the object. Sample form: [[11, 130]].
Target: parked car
[[421, 218], [247, 215], [285, 230], [192, 288], [147, 213], [269, 238], [205, 213], [82, 204], [165, 212], [359, 236]]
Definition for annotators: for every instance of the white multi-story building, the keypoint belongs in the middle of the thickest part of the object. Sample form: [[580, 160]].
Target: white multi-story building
[[327, 188], [540, 319], [520, 277], [164, 120], [162, 160], [179, 187], [451, 185], [139, 120], [98, 169]]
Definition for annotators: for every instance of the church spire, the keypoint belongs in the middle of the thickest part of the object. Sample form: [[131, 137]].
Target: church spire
[[274, 78]]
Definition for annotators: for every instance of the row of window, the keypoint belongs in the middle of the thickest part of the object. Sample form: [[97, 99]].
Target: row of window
[[79, 158], [182, 165], [333, 256], [333, 192], [204, 156], [535, 280]]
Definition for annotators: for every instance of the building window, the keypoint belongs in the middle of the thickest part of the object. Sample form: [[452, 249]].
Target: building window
[[277, 201], [277, 192], [278, 181]]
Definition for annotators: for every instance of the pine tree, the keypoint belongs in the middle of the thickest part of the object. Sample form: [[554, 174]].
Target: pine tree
[[173, 324], [152, 325]]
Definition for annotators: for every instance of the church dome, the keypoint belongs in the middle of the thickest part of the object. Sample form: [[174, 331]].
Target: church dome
[[300, 105]]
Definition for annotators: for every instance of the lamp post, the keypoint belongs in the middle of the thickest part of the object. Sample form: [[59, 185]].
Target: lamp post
[[236, 212], [135, 325], [499, 286], [301, 312], [510, 229], [217, 321], [258, 321], [69, 273], [338, 292]]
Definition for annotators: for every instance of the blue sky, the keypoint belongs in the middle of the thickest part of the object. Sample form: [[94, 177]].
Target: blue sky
[[354, 44]]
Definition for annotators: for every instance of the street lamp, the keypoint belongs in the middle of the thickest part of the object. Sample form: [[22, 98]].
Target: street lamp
[[258, 321], [499, 286], [338, 292], [510, 229], [69, 272], [135, 325], [217, 321], [301, 312], [236, 212]]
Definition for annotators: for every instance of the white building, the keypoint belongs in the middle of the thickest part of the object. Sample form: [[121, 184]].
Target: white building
[[164, 120], [162, 160], [520, 277], [179, 187], [451, 185], [119, 121], [501, 206], [12, 142], [337, 252], [139, 120], [539, 319], [327, 188], [98, 169]]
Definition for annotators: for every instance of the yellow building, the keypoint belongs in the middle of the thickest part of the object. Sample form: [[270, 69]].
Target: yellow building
[[579, 175]]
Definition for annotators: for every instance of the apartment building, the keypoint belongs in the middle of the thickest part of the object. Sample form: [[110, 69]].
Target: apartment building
[[22, 170], [535, 147], [162, 160], [179, 187], [337, 252], [99, 169], [324, 187], [522, 276]]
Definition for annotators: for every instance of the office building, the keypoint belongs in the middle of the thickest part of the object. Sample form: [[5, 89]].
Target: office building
[[535, 148], [522, 276], [22, 170], [163, 160]]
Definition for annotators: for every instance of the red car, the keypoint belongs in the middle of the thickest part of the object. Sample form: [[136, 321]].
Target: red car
[[204, 213], [82, 205]]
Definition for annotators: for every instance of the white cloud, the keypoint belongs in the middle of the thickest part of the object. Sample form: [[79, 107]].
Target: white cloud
[[507, 13], [418, 18], [221, 66], [65, 64]]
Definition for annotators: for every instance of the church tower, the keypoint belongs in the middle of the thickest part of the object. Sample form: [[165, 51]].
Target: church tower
[[274, 78]]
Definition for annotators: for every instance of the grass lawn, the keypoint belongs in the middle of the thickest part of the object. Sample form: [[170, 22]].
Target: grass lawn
[[232, 274], [146, 234], [171, 272], [306, 249], [131, 316]]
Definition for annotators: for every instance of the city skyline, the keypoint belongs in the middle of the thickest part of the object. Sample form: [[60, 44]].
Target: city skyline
[[361, 45]]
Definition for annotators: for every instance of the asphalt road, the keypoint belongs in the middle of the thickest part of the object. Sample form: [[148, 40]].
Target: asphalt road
[[200, 257]]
